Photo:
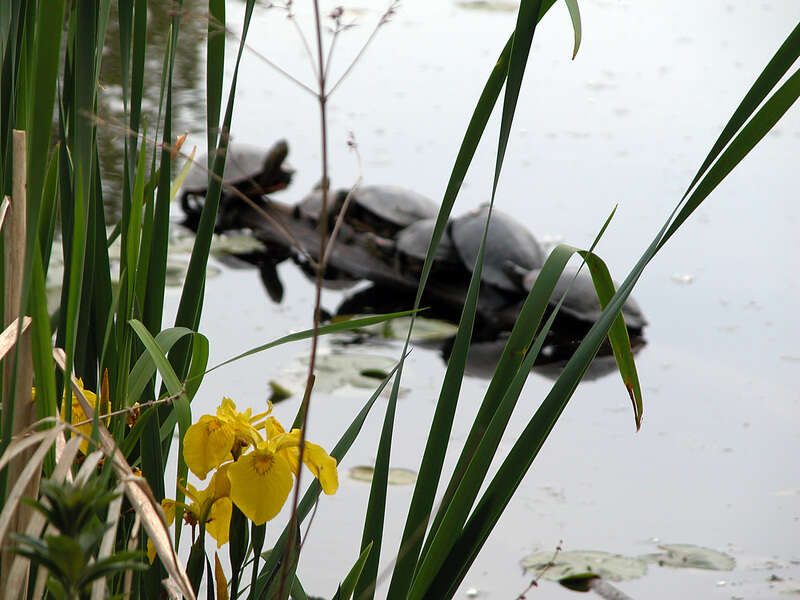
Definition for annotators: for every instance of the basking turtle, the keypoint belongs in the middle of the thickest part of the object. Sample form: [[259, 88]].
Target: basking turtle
[[247, 169], [380, 209], [581, 301], [506, 241], [407, 253]]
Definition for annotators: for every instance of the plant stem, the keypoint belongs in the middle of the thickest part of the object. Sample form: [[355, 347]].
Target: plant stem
[[322, 98]]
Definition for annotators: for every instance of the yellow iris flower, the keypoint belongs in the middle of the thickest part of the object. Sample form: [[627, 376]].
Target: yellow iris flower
[[78, 416], [260, 480], [217, 439], [211, 506]]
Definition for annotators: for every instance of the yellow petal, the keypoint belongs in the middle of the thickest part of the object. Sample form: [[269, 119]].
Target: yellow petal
[[206, 444], [315, 458], [168, 506], [260, 483], [322, 466], [218, 524], [220, 485], [274, 428]]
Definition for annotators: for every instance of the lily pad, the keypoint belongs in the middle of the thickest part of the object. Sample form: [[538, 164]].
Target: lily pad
[[572, 564], [236, 243], [689, 556], [425, 330], [488, 5], [395, 476], [177, 269], [338, 370], [278, 393]]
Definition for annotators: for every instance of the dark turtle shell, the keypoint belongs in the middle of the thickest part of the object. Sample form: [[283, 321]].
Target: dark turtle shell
[[381, 209], [247, 168], [412, 245], [581, 301], [506, 241]]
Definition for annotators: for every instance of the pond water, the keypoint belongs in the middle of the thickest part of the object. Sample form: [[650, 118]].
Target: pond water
[[626, 123]]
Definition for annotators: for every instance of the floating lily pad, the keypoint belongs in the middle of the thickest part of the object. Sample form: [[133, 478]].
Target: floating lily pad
[[177, 269], [278, 393], [338, 370], [236, 243], [489, 5], [425, 330], [395, 476], [689, 556], [613, 567]]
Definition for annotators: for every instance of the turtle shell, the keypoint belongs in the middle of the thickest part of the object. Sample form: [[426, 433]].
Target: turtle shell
[[243, 164], [310, 207], [392, 207], [382, 209], [249, 169], [506, 241], [581, 301], [412, 243]]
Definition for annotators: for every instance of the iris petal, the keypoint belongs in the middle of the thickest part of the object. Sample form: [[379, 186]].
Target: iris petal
[[206, 444], [260, 484]]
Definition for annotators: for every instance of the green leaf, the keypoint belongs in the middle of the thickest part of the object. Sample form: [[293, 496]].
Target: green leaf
[[347, 587], [308, 333], [159, 358], [575, 17]]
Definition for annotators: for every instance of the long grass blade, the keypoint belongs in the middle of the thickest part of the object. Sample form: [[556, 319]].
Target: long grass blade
[[337, 327]]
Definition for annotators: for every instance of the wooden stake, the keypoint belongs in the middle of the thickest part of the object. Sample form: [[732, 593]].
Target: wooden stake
[[24, 410]]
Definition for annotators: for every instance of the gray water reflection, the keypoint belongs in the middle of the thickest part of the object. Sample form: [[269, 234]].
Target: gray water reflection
[[628, 123], [188, 104]]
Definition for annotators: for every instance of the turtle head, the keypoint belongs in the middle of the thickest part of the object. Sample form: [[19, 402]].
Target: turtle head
[[274, 175]]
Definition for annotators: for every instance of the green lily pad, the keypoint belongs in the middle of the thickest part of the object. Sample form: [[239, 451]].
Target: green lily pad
[[425, 330], [395, 476], [582, 563], [489, 5], [177, 269], [689, 556], [236, 243], [338, 370], [278, 393]]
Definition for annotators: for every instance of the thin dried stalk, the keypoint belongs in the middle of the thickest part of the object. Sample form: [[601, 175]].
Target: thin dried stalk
[[9, 336], [3, 210], [107, 545], [19, 405]]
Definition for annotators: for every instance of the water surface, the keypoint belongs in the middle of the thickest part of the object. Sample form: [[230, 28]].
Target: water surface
[[626, 124]]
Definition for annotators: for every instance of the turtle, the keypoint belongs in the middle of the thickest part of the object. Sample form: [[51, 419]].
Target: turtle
[[581, 301], [380, 209], [248, 169], [506, 241], [407, 252]]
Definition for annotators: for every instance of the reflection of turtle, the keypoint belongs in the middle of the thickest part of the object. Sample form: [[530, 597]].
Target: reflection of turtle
[[506, 241], [247, 169], [381, 209], [581, 301]]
